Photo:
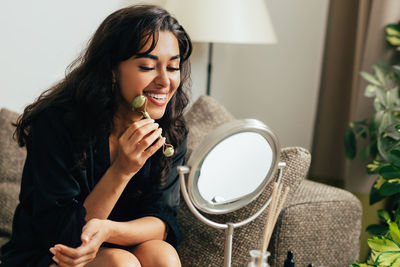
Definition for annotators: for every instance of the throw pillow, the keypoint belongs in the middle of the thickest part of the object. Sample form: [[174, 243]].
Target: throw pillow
[[12, 159]]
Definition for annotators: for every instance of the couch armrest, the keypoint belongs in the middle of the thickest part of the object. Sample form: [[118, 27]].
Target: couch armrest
[[321, 224]]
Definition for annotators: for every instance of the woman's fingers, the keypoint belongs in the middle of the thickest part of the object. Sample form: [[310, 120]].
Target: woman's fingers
[[74, 253], [153, 149], [63, 260], [66, 256], [148, 140], [134, 127], [142, 132], [89, 230]]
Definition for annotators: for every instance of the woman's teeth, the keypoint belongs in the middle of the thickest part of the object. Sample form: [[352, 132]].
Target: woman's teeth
[[157, 96]]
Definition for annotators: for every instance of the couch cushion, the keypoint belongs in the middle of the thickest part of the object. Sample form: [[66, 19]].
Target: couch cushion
[[12, 159], [318, 218], [203, 116], [8, 202]]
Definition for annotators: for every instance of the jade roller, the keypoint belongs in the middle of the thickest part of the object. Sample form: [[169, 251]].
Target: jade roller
[[139, 104]]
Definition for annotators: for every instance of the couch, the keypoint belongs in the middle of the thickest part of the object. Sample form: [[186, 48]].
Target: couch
[[319, 223]]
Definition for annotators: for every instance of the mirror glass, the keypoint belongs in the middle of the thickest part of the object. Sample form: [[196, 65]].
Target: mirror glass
[[234, 168]]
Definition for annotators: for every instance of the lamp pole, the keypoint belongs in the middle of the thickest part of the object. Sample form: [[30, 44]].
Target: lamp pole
[[209, 68]]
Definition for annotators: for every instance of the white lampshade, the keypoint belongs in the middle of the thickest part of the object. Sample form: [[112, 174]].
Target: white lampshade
[[224, 21]]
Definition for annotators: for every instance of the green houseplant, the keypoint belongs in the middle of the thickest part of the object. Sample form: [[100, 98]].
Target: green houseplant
[[382, 134]]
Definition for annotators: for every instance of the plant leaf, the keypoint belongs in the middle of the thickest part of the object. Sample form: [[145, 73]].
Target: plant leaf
[[393, 40], [397, 215], [393, 131], [393, 99], [394, 231], [378, 115], [390, 187], [359, 264], [370, 78], [377, 229], [370, 91], [379, 108], [374, 195], [384, 215], [381, 96], [394, 156], [396, 263], [379, 72], [350, 143], [392, 29], [380, 244], [386, 258], [387, 119], [390, 172]]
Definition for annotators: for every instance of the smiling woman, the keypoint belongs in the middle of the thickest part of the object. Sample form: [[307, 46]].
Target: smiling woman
[[96, 189]]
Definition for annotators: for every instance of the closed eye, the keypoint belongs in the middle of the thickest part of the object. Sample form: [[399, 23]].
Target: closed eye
[[173, 69], [145, 68]]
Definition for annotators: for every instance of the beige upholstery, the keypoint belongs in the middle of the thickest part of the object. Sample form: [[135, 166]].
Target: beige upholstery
[[12, 159], [321, 224]]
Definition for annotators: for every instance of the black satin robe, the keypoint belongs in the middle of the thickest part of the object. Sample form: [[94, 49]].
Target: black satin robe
[[54, 187]]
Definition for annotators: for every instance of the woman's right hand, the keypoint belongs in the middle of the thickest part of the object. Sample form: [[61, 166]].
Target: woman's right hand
[[134, 147]]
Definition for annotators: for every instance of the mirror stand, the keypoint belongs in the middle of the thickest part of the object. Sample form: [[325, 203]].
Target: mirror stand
[[228, 227]]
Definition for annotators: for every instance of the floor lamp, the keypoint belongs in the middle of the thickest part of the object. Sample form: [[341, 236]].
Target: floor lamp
[[223, 21]]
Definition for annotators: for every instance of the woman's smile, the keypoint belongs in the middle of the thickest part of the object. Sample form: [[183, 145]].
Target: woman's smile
[[158, 97]]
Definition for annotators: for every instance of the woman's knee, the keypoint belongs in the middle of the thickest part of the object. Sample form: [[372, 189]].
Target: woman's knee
[[114, 257], [157, 253]]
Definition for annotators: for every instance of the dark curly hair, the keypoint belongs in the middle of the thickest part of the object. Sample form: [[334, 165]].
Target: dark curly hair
[[85, 94]]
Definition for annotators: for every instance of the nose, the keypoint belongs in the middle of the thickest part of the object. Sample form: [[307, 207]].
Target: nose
[[162, 79]]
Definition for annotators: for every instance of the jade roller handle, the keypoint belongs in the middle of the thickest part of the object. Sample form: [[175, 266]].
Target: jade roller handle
[[139, 105]]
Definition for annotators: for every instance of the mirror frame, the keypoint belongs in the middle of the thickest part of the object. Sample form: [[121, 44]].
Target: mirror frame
[[208, 143]]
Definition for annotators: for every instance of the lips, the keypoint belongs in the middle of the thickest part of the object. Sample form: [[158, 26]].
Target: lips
[[157, 97]]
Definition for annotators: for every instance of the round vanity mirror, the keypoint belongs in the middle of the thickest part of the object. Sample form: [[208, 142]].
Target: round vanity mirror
[[232, 166]]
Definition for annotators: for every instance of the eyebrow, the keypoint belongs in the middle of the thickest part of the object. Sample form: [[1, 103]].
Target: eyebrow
[[154, 57]]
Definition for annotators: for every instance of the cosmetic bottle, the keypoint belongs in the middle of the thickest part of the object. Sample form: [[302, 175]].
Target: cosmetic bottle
[[289, 262], [256, 257]]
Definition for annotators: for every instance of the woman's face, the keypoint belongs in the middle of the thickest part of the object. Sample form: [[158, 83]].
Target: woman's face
[[155, 75]]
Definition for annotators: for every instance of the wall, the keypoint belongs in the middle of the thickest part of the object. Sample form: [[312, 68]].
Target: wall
[[277, 84]]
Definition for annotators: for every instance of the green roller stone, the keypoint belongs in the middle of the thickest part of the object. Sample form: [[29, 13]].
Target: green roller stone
[[138, 101], [169, 151]]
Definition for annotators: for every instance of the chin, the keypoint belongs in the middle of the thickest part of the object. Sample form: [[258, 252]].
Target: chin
[[156, 115]]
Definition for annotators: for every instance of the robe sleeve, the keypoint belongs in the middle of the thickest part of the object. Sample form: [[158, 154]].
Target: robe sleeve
[[57, 213], [163, 203]]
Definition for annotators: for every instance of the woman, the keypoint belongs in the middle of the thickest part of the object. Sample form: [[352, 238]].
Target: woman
[[96, 189]]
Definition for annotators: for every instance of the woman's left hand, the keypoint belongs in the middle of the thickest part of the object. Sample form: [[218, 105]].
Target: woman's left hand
[[94, 233]]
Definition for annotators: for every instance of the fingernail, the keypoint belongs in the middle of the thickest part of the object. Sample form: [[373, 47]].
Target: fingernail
[[55, 259], [52, 250], [160, 130], [151, 120], [156, 124]]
